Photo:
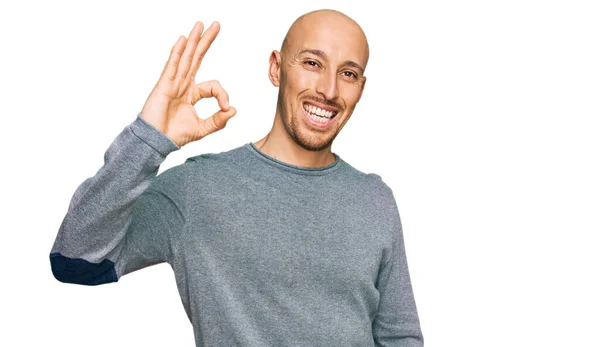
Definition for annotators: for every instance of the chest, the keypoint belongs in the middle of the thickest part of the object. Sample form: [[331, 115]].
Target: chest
[[286, 240]]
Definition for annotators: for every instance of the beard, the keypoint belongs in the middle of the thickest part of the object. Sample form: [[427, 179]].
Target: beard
[[310, 140]]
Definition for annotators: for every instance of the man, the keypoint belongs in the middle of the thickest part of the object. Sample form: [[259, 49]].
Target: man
[[275, 243]]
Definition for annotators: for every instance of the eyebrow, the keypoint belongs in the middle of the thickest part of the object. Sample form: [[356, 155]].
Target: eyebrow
[[320, 53]]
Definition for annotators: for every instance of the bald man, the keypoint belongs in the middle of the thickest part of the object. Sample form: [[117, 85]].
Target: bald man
[[277, 242]]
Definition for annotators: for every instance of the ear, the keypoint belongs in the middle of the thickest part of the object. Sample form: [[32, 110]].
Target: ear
[[275, 67]]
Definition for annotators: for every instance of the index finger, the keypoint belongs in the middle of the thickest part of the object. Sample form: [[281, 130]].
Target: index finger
[[213, 89], [205, 41]]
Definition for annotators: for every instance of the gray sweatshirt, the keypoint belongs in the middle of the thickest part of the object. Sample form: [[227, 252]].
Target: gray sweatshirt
[[264, 253]]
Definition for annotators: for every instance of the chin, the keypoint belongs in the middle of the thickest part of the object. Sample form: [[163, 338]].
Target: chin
[[310, 140]]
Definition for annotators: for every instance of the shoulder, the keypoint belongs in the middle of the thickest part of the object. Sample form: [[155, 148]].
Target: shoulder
[[376, 202], [368, 184], [196, 170], [214, 158]]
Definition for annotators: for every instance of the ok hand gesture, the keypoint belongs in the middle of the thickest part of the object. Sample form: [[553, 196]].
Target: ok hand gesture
[[170, 105]]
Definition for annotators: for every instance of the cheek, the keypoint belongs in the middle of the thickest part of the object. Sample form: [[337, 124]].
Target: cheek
[[300, 79], [350, 95]]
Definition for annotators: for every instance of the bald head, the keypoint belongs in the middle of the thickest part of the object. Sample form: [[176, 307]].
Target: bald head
[[327, 25], [320, 75]]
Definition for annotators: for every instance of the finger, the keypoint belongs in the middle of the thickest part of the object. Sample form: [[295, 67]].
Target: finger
[[213, 89], [207, 39], [190, 48], [170, 69], [216, 122]]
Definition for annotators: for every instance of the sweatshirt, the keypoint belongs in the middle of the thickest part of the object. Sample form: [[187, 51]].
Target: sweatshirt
[[264, 253]]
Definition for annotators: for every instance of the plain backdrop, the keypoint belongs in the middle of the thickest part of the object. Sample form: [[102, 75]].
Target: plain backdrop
[[482, 116]]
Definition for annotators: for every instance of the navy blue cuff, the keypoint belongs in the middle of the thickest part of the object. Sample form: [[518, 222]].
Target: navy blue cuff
[[81, 271]]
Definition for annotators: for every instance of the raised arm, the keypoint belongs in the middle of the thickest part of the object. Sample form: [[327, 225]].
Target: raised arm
[[115, 223]]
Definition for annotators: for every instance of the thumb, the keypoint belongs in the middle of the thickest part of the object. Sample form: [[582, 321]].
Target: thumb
[[217, 121]]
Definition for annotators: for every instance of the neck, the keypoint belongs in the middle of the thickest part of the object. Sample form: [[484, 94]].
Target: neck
[[279, 144]]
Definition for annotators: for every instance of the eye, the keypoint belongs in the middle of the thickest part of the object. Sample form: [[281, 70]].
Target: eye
[[311, 63], [350, 74]]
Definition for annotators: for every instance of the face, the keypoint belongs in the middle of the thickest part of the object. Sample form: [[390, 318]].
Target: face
[[320, 74]]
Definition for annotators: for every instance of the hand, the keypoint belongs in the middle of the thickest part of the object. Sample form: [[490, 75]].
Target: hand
[[170, 105]]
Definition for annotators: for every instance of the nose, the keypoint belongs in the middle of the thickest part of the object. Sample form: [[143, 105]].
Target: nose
[[328, 86]]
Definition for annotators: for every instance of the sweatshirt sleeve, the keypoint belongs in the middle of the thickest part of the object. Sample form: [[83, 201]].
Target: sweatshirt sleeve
[[397, 322], [115, 223]]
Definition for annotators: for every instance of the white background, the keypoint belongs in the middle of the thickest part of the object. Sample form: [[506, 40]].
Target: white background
[[482, 116]]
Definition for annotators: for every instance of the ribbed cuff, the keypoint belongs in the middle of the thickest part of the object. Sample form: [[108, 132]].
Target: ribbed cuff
[[152, 136]]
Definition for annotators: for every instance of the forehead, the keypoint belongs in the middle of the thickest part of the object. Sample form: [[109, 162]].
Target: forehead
[[339, 39]]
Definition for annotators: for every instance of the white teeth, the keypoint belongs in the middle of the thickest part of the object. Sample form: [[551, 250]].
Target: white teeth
[[313, 110], [318, 119]]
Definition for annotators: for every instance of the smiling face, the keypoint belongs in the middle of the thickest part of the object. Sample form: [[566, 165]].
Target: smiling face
[[320, 75]]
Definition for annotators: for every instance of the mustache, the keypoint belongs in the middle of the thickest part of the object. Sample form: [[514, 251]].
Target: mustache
[[325, 102]]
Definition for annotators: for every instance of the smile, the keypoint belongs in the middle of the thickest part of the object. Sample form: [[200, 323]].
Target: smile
[[318, 114]]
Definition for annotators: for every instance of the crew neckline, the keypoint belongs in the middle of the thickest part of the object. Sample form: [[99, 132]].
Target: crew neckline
[[313, 171]]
